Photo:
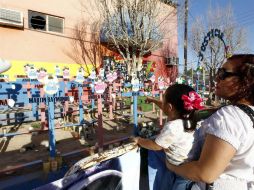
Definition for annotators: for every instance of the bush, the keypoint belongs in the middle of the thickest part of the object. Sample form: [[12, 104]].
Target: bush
[[36, 125]]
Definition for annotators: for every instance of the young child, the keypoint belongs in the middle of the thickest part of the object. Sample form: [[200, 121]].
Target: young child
[[177, 136]]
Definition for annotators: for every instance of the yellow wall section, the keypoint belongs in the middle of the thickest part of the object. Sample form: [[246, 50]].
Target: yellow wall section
[[17, 68]]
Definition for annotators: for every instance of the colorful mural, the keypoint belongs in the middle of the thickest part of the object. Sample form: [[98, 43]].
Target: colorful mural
[[18, 66]]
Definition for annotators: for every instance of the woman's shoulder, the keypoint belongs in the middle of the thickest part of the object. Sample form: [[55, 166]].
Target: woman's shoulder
[[229, 123], [226, 111]]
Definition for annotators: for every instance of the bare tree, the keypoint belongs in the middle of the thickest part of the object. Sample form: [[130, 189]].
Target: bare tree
[[132, 28], [214, 55], [85, 46]]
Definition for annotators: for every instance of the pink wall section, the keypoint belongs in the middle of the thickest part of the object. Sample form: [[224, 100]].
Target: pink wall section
[[170, 45], [34, 45]]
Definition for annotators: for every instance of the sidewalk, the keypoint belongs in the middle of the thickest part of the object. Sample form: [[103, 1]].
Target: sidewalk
[[26, 148]]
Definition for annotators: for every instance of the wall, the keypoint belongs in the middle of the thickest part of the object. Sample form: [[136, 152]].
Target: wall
[[34, 45], [30, 45]]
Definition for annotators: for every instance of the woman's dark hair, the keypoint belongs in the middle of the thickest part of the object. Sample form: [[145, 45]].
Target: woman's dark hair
[[173, 95], [244, 65]]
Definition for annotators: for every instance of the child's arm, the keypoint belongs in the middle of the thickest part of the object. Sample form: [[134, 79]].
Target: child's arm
[[147, 143], [215, 157], [154, 100]]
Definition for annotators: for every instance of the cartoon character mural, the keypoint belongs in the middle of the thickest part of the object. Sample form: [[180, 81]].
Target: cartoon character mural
[[20, 67]]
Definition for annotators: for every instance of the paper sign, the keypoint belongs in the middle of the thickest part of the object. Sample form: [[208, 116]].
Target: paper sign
[[80, 75], [32, 73], [51, 85], [41, 74], [66, 73], [135, 84], [100, 87]]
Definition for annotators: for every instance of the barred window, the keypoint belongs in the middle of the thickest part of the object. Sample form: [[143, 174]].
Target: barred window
[[44, 22]]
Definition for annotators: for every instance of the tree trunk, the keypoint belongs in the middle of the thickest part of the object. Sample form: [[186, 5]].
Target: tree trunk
[[139, 66]]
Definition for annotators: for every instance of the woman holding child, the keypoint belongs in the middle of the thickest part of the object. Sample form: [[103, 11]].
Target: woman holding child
[[226, 138], [224, 144]]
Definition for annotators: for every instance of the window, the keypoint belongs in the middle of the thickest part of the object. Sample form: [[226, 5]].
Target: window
[[44, 22], [171, 61], [55, 24]]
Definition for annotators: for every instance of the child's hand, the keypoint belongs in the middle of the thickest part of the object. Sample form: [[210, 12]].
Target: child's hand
[[134, 139], [149, 99]]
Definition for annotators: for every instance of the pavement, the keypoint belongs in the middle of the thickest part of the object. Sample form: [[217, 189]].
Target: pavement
[[22, 149]]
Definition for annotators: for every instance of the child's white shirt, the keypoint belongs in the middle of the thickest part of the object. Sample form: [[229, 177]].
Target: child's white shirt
[[176, 142]]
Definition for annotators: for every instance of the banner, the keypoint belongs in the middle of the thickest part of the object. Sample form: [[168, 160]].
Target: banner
[[119, 173]]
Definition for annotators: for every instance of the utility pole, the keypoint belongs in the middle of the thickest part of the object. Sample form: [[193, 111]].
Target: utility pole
[[185, 36], [192, 79]]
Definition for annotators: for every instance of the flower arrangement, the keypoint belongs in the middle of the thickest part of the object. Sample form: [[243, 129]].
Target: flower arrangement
[[193, 101]]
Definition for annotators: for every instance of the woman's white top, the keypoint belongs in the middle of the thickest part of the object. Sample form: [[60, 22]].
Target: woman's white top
[[234, 126], [175, 141]]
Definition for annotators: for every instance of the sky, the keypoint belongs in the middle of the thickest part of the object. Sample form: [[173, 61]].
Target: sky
[[243, 12]]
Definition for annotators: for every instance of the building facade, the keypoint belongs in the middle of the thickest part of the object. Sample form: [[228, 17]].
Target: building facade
[[41, 34]]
